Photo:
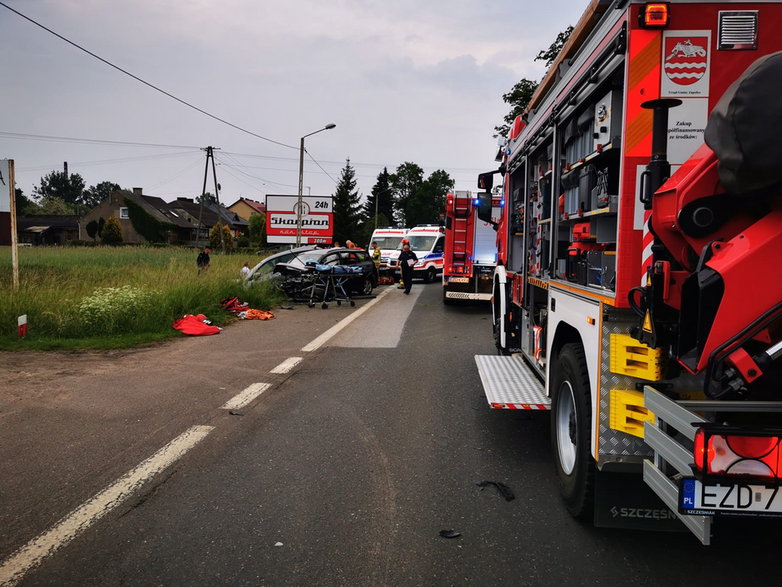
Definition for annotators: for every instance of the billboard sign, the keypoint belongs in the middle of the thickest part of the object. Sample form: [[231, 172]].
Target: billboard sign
[[317, 219]]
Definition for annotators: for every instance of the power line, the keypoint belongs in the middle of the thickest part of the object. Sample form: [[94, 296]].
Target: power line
[[357, 164], [106, 161], [175, 175], [263, 180], [360, 164], [56, 139], [319, 165], [146, 83]]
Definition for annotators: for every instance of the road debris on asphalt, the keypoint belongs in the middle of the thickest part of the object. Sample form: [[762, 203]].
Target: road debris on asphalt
[[450, 533], [503, 489]]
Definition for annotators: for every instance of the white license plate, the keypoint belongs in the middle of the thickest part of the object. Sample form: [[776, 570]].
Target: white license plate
[[458, 280], [735, 498]]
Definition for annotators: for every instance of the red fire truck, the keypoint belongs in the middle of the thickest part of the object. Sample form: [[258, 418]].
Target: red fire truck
[[470, 248], [638, 297]]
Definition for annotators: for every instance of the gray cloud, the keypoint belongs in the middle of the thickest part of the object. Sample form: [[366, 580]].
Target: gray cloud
[[403, 81]]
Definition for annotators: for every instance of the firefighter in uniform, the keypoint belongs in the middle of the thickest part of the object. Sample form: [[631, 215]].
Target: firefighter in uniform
[[405, 241]]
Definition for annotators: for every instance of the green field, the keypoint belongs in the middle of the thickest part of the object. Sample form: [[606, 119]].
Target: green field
[[105, 297]]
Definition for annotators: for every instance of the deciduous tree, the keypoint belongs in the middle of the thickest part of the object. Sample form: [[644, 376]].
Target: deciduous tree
[[59, 184], [95, 194], [404, 182], [428, 202], [257, 229], [520, 95], [24, 205]]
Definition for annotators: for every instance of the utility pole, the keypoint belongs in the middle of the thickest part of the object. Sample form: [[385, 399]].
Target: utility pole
[[300, 202], [210, 156]]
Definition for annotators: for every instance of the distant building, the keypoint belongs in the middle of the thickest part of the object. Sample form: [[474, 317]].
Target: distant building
[[208, 215], [174, 222], [174, 229], [47, 229], [245, 208]]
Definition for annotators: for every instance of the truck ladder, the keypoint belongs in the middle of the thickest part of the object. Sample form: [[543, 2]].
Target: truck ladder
[[462, 224], [509, 384]]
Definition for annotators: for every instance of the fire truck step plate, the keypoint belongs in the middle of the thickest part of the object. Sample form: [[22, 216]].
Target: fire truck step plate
[[509, 384]]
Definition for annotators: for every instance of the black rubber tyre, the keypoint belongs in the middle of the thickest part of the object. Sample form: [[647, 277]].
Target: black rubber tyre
[[571, 426], [367, 286], [501, 350], [430, 275]]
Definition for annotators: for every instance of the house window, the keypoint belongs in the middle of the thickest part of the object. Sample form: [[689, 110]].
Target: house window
[[124, 214]]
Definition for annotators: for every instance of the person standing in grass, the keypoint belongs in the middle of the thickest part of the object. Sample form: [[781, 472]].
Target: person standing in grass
[[245, 271], [203, 260]]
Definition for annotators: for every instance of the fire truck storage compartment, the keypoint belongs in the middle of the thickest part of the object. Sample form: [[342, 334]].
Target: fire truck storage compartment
[[539, 213], [589, 182]]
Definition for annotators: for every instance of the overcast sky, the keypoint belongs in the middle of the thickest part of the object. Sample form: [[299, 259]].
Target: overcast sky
[[403, 80]]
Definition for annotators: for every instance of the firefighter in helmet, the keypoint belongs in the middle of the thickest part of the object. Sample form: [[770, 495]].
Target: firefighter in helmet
[[405, 241]]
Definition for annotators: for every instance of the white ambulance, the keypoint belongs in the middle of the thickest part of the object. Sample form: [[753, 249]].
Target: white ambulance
[[387, 239], [427, 241]]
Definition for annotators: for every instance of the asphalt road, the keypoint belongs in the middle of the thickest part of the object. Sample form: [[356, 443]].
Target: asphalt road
[[343, 472]]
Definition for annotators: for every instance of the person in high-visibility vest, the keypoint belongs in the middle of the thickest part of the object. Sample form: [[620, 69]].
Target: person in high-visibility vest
[[376, 258]]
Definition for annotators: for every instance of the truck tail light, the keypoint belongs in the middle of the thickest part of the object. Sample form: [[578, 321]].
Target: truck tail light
[[737, 453], [654, 15]]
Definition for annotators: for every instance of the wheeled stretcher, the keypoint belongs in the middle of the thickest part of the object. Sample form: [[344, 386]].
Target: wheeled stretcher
[[330, 284]]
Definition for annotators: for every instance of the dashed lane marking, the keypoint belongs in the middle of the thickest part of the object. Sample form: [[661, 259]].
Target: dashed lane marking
[[44, 545], [286, 365], [245, 397]]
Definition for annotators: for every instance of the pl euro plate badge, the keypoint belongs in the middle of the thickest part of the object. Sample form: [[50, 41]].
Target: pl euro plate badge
[[736, 499]]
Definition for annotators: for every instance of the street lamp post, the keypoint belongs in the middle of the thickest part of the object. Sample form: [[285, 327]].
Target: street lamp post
[[300, 202]]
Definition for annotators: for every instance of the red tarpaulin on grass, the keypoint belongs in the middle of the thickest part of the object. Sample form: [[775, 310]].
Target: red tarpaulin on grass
[[195, 325]]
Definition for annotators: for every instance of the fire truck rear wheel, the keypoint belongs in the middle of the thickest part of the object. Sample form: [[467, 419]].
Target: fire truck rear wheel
[[571, 423]]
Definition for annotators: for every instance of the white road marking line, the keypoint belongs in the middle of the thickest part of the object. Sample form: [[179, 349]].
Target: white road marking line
[[28, 556], [286, 365], [245, 397], [323, 338]]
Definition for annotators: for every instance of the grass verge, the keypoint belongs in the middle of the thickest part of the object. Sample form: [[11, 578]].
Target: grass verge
[[108, 298]]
